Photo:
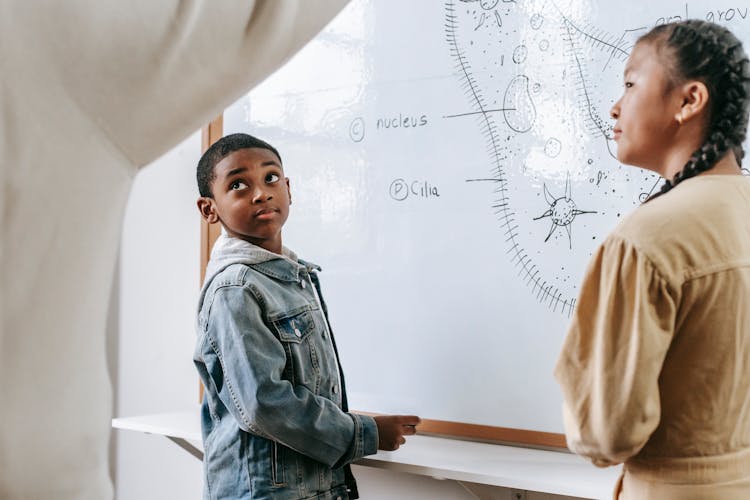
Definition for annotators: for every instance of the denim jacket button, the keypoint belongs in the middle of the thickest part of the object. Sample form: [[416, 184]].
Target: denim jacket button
[[297, 332], [335, 389]]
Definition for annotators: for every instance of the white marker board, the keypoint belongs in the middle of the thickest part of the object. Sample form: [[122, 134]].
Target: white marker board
[[452, 171]]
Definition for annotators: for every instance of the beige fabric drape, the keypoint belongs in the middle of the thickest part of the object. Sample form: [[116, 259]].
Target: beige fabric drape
[[92, 90]]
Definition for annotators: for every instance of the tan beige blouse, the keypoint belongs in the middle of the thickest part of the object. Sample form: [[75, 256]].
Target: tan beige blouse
[[655, 369]]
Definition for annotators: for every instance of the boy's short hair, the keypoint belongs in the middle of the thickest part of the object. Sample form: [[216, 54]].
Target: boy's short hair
[[220, 150]]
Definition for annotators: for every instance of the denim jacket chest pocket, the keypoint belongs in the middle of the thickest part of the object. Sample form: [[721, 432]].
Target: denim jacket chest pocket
[[308, 353]]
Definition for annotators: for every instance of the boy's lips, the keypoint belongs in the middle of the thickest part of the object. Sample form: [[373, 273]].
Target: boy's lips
[[266, 213], [617, 133]]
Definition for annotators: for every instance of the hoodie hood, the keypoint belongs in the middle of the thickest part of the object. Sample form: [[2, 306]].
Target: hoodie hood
[[228, 251]]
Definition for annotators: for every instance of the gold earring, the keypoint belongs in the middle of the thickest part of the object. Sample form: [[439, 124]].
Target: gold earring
[[679, 119]]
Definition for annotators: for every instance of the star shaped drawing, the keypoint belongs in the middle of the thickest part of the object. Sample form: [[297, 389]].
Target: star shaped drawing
[[562, 211]]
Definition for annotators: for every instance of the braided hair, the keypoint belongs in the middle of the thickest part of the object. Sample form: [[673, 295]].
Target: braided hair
[[709, 53]]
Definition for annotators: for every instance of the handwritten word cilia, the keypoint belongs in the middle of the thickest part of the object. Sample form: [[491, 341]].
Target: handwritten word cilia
[[401, 189]]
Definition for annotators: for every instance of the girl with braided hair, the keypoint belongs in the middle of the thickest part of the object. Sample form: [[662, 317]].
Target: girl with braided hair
[[655, 368]]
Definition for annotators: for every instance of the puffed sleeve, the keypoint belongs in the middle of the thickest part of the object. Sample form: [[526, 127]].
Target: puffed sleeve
[[613, 353]]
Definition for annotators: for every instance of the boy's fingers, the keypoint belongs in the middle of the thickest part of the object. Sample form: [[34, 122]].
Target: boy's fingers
[[409, 430], [408, 419]]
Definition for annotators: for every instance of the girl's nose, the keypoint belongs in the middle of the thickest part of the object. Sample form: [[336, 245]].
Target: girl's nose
[[615, 111]]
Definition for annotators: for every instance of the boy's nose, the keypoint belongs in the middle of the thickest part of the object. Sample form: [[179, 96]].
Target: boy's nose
[[260, 195]]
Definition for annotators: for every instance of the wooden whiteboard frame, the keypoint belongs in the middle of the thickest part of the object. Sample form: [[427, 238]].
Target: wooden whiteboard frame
[[474, 432], [209, 232]]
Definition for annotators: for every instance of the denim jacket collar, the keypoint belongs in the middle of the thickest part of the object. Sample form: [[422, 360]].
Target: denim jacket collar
[[228, 250], [284, 269]]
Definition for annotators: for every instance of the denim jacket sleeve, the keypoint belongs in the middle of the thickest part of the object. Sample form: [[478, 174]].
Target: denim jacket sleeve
[[248, 364]]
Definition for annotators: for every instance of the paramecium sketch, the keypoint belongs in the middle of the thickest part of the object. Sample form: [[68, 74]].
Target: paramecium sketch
[[539, 84]]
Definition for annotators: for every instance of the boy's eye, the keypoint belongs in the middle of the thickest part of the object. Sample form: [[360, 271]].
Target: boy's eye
[[271, 178], [628, 85], [237, 185]]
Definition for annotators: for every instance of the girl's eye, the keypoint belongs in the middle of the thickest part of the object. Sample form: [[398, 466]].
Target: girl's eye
[[628, 85], [271, 178], [237, 185]]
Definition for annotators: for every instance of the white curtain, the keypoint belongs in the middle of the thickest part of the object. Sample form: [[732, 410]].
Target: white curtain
[[91, 91]]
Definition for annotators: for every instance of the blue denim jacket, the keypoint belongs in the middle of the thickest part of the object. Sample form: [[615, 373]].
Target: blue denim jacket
[[274, 417]]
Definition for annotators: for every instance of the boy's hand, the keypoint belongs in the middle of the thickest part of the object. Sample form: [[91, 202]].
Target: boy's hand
[[393, 428]]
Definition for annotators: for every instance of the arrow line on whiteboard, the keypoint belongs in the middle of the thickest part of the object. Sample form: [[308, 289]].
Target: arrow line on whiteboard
[[479, 112]]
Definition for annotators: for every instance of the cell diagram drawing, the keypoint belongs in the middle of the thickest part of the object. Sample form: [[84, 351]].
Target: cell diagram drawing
[[540, 84]]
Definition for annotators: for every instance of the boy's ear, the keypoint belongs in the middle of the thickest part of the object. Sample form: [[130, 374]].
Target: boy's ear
[[288, 190], [207, 208]]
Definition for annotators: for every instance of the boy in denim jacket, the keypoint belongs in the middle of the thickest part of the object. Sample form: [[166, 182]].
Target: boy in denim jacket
[[274, 416]]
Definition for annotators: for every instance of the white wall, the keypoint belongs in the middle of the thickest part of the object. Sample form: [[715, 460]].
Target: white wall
[[151, 344], [159, 283]]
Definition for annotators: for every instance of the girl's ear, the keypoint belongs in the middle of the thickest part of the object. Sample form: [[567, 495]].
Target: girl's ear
[[694, 96], [207, 208]]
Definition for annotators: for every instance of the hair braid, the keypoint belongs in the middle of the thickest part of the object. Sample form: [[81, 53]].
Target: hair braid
[[711, 54]]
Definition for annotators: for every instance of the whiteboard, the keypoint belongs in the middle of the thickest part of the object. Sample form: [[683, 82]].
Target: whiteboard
[[452, 170]]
